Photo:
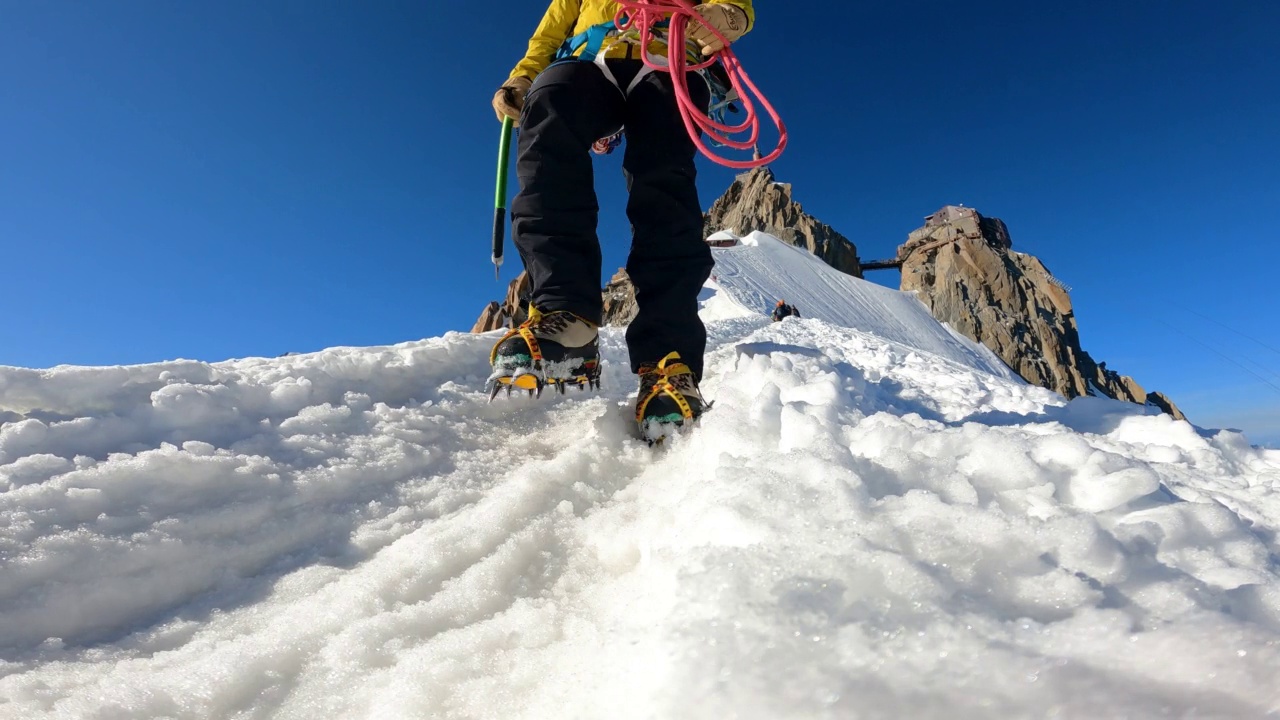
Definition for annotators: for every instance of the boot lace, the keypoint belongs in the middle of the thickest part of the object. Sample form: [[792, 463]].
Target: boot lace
[[549, 324]]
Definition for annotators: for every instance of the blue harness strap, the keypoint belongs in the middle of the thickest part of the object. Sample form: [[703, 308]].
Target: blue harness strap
[[589, 40], [721, 99], [592, 39]]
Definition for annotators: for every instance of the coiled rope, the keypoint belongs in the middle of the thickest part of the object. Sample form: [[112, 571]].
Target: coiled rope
[[642, 16]]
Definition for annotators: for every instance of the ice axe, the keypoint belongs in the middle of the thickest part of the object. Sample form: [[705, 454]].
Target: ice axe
[[500, 196]]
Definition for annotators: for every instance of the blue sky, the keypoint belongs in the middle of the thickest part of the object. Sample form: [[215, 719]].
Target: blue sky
[[215, 180]]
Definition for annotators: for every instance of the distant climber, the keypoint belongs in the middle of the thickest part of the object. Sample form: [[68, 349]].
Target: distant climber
[[783, 310]]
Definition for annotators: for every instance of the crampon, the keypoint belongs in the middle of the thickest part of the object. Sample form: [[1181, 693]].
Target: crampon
[[534, 381], [555, 349], [669, 401]]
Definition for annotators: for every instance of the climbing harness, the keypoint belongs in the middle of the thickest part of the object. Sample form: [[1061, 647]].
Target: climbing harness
[[643, 22]]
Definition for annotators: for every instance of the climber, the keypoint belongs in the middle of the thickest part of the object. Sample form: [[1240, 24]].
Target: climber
[[783, 310], [562, 108]]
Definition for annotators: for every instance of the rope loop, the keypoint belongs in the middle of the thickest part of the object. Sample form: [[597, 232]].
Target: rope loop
[[643, 17]]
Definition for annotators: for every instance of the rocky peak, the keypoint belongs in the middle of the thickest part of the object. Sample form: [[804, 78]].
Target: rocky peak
[[619, 299], [963, 267], [756, 201]]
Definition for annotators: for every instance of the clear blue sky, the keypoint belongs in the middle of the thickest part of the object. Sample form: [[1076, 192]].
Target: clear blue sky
[[215, 180]]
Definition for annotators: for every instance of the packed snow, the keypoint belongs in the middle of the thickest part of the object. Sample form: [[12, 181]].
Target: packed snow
[[871, 522]]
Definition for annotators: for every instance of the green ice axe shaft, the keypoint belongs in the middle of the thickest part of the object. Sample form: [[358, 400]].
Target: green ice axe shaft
[[500, 196]]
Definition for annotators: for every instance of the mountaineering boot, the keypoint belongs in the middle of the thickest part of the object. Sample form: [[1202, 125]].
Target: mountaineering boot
[[669, 398], [557, 348]]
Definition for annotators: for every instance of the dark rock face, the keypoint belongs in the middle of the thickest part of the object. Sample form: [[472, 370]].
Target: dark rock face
[[963, 267], [1162, 401], [755, 201], [619, 299], [512, 311]]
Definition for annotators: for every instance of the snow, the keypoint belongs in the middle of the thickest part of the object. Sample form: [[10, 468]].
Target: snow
[[723, 238], [763, 270], [872, 522]]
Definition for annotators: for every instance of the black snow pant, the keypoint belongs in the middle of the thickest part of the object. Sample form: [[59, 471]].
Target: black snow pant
[[553, 217]]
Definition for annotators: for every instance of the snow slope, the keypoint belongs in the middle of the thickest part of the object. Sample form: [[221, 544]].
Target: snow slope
[[859, 529], [762, 270]]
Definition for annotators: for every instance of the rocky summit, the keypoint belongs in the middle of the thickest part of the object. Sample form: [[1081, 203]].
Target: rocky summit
[[963, 267], [757, 201]]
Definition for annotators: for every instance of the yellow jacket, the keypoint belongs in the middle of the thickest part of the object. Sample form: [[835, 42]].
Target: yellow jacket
[[566, 18]]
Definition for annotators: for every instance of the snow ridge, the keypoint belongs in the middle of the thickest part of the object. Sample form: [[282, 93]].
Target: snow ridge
[[762, 270]]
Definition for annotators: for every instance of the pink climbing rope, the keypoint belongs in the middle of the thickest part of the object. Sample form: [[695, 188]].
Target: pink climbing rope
[[642, 15]]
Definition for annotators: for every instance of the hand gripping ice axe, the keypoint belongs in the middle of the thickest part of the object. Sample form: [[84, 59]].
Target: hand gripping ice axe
[[500, 196]]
